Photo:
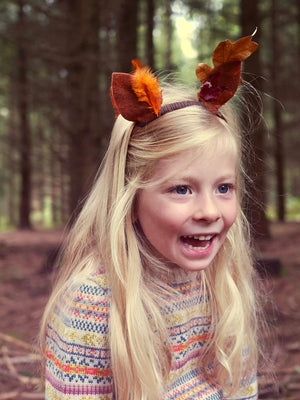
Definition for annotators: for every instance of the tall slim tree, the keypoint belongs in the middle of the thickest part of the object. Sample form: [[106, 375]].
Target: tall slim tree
[[24, 126], [83, 106], [12, 167], [169, 34], [255, 208], [127, 22], [277, 110], [149, 34], [298, 31]]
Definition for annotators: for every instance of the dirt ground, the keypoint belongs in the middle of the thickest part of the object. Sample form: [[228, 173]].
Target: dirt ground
[[25, 283]]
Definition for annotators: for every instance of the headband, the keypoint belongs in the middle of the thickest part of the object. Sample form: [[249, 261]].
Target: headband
[[138, 96]]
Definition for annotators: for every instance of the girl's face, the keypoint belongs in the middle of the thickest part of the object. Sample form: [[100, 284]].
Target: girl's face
[[186, 217]]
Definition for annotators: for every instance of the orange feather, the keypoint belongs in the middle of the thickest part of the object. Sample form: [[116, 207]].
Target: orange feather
[[146, 87]]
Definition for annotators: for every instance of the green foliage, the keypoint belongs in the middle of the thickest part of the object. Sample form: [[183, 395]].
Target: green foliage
[[292, 209]]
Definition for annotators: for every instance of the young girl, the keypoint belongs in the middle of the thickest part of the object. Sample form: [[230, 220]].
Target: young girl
[[155, 297]]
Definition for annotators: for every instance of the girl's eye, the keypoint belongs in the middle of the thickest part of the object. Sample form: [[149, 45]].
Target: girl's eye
[[225, 188], [182, 190]]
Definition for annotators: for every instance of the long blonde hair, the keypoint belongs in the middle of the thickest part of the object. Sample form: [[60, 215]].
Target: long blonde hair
[[105, 232]]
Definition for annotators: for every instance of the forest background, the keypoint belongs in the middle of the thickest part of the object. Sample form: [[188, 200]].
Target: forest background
[[56, 61]]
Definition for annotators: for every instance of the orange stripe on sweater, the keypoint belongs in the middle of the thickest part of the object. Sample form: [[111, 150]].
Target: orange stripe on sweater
[[199, 338], [80, 370]]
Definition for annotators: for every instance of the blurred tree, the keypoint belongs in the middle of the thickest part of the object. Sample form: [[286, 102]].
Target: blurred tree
[[11, 161], [256, 204], [23, 111], [164, 39], [149, 33], [297, 13], [82, 109], [276, 73], [169, 35], [9, 126], [127, 23], [280, 41]]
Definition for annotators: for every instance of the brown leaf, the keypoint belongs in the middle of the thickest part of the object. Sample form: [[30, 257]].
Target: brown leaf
[[240, 50], [203, 71], [220, 83]]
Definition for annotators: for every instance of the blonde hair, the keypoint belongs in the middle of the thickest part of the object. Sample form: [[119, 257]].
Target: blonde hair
[[106, 232]]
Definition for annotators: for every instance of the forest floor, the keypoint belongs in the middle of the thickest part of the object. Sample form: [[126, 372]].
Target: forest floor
[[25, 283]]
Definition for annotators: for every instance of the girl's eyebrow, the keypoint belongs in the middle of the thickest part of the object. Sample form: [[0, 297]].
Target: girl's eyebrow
[[177, 179], [226, 177], [191, 179]]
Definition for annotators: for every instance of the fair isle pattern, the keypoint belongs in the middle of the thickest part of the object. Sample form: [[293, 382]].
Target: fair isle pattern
[[78, 362], [189, 322], [78, 356]]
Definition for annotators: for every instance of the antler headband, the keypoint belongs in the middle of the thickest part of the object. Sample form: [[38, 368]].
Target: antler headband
[[138, 97]]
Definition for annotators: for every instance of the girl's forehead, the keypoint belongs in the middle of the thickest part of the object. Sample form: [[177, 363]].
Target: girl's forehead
[[183, 162]]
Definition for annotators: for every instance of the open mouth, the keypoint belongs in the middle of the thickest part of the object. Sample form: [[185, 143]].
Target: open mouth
[[197, 241]]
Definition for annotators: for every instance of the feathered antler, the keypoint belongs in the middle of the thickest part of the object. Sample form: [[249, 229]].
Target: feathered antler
[[221, 82], [137, 97]]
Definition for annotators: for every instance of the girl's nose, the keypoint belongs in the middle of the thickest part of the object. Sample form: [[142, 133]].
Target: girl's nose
[[206, 209]]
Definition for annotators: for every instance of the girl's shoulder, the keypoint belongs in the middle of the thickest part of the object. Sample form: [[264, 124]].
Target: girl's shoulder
[[93, 287], [84, 303], [89, 292]]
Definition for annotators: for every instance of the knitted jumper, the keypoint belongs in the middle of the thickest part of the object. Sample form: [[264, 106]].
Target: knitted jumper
[[78, 362]]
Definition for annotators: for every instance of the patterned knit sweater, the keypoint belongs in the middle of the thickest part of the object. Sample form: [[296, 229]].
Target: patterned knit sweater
[[78, 362]]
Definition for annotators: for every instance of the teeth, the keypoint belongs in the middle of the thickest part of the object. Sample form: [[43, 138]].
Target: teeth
[[201, 237], [202, 248]]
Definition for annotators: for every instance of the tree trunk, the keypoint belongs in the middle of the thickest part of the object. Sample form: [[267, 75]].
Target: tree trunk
[[25, 134], [83, 105], [256, 203], [169, 35], [149, 34], [12, 164], [53, 188], [127, 33], [277, 111], [40, 177]]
